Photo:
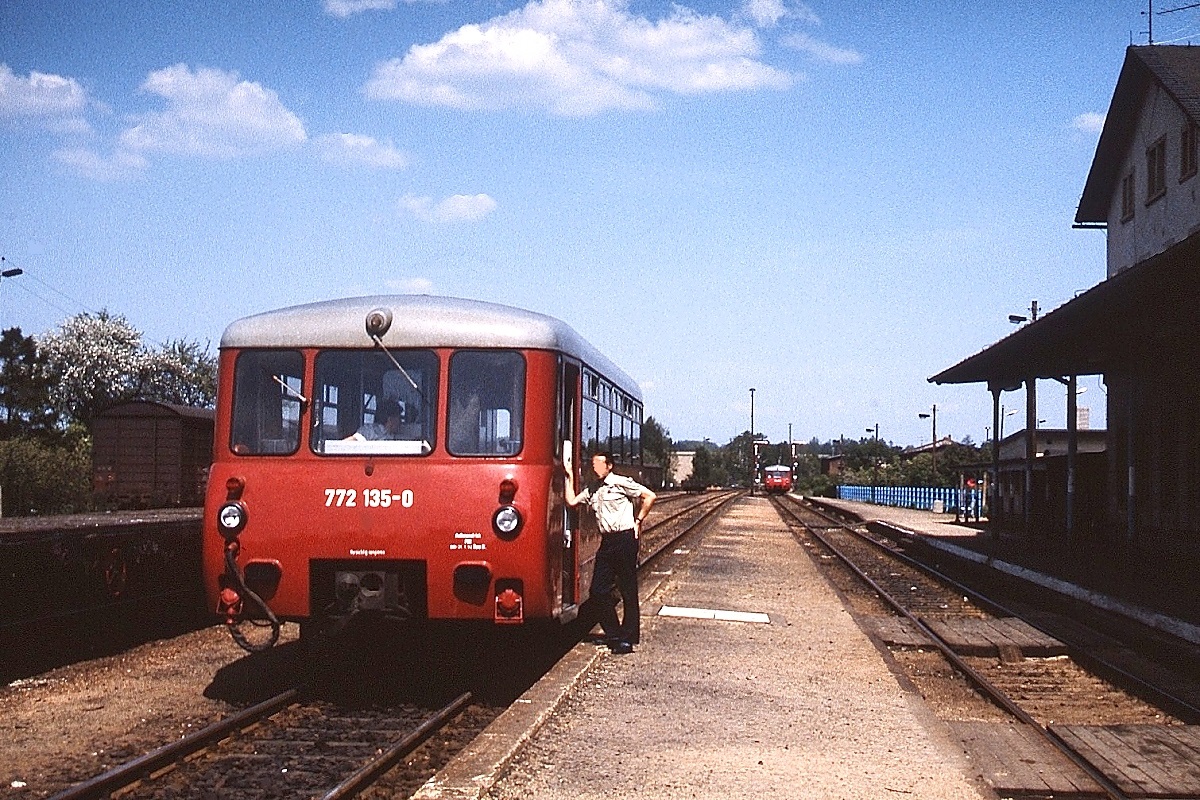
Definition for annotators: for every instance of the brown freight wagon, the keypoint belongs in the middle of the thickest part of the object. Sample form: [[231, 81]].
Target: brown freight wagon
[[147, 454]]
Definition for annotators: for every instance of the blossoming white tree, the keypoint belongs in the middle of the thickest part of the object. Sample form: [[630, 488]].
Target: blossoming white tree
[[96, 361]]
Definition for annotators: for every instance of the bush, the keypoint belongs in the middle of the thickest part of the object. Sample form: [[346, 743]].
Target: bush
[[40, 477], [817, 486]]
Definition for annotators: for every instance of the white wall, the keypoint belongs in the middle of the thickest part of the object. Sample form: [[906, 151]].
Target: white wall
[[1171, 218]]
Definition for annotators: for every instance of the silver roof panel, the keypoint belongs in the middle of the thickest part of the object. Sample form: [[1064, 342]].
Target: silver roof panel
[[419, 321]]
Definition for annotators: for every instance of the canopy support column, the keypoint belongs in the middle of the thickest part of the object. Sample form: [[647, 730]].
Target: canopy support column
[[1072, 450], [1030, 443], [993, 498]]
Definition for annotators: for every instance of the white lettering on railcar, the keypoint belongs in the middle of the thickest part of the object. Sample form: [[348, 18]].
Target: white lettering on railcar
[[368, 552], [468, 541], [342, 497]]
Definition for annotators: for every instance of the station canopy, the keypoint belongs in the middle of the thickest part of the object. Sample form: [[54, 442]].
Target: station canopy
[[1147, 315]]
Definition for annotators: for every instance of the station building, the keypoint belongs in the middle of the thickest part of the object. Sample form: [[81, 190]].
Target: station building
[[1138, 329]]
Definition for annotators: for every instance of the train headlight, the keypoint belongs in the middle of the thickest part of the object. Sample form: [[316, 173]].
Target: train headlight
[[507, 522], [231, 518]]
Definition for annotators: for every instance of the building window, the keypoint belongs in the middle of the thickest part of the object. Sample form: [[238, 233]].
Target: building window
[[1156, 170], [1127, 195], [1187, 152]]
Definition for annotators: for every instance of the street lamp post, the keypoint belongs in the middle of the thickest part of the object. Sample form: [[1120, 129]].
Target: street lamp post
[[1003, 414], [934, 440], [753, 447], [874, 463], [7, 273]]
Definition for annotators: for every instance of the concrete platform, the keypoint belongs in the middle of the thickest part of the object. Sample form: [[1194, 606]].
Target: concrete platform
[[800, 706]]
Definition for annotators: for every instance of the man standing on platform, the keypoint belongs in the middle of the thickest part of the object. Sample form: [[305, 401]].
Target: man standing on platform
[[613, 499]]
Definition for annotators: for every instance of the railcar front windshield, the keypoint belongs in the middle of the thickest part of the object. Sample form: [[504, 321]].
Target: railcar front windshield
[[267, 400], [363, 403], [487, 403]]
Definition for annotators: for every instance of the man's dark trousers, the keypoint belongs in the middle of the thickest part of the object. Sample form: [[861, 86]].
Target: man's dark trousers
[[616, 567]]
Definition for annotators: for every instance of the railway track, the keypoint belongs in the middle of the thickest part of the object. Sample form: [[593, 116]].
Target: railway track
[[284, 747], [686, 513], [1118, 703], [298, 745]]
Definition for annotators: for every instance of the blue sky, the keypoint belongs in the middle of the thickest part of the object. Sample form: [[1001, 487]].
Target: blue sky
[[828, 202]]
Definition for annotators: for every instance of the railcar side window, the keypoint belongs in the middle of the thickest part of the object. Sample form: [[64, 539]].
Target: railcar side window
[[487, 403], [591, 439], [267, 397], [365, 404]]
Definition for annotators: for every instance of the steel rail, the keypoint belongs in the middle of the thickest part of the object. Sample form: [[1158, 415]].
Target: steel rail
[[683, 511], [124, 775], [1139, 685], [371, 771], [718, 503], [132, 771], [991, 691]]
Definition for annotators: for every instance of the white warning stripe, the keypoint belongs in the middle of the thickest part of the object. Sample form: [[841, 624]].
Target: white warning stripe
[[712, 613]]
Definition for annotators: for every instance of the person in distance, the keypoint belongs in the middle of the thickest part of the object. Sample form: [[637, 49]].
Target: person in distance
[[388, 418]]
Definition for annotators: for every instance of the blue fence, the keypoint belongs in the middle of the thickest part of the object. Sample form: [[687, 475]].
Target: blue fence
[[920, 497]]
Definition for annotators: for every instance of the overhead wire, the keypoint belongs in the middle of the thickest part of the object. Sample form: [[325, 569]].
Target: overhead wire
[[23, 286]]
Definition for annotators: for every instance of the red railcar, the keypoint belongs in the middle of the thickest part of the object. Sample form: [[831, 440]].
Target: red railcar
[[777, 479], [403, 456]]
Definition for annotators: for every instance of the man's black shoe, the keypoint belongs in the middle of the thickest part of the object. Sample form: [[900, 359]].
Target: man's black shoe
[[621, 648]]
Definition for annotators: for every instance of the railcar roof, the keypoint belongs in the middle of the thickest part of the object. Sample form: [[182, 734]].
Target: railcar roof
[[419, 321]]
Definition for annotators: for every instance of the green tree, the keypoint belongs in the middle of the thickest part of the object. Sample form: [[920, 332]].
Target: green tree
[[702, 468], [707, 469], [737, 458], [181, 373], [40, 477], [656, 445], [25, 407]]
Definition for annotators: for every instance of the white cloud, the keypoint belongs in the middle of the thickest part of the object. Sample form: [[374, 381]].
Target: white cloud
[[456, 208], [50, 100], [765, 13], [768, 13], [121, 165], [411, 285], [353, 148], [348, 8], [576, 58], [212, 113], [822, 51], [1089, 122]]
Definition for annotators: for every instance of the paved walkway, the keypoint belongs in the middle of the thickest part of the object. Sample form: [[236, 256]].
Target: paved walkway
[[802, 707]]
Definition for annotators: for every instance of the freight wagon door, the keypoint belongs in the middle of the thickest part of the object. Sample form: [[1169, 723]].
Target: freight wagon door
[[568, 426]]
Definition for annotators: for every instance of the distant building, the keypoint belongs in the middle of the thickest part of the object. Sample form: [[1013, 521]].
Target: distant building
[[832, 465], [1049, 476]]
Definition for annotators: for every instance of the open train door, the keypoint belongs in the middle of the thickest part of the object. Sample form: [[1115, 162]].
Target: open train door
[[568, 447]]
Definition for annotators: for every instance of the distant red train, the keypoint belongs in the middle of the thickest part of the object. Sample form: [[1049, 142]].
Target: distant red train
[[403, 456], [777, 479]]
